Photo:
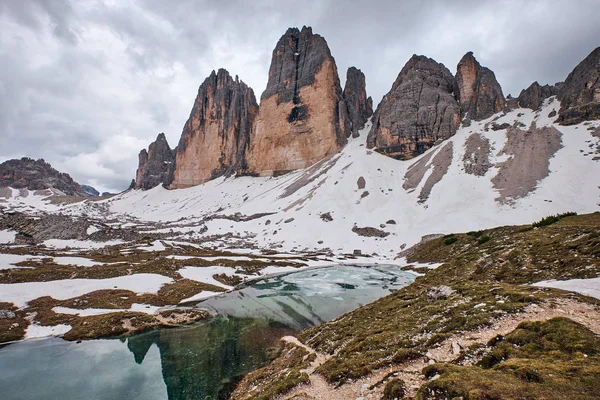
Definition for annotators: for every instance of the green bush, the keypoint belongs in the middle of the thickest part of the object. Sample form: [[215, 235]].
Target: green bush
[[450, 240], [551, 219]]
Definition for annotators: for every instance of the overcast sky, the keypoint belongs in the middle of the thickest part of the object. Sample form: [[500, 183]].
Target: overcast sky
[[86, 84]]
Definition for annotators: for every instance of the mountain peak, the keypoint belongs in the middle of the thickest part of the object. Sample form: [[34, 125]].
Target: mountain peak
[[580, 94], [419, 110], [31, 174], [302, 117], [155, 164], [479, 93]]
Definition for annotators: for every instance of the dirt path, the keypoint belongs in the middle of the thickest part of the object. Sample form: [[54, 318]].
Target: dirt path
[[585, 314]]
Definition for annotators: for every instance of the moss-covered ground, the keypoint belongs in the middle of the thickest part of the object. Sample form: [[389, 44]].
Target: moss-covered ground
[[553, 359], [284, 373], [484, 278]]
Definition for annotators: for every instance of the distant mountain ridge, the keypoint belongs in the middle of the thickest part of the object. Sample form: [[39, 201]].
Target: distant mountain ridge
[[91, 191], [31, 174]]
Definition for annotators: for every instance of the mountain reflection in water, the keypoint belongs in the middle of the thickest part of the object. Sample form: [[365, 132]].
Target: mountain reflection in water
[[199, 361]]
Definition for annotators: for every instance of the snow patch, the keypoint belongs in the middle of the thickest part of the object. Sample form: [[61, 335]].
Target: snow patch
[[205, 274], [86, 312], [79, 244], [589, 287], [278, 270], [21, 293], [8, 261], [7, 237], [39, 331], [201, 296], [79, 261], [157, 245]]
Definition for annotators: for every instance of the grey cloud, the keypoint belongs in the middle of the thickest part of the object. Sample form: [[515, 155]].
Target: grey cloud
[[32, 14], [87, 84]]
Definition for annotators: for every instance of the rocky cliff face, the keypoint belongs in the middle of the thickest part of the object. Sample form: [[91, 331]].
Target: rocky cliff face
[[216, 134], [155, 165], [419, 110], [302, 117], [27, 173], [580, 94], [534, 95], [360, 107], [479, 93]]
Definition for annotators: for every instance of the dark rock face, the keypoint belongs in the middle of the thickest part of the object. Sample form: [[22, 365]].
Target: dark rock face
[[418, 111], [303, 117], [155, 165], [297, 58], [216, 134], [90, 190], [479, 93], [360, 108], [27, 173], [534, 95], [580, 94]]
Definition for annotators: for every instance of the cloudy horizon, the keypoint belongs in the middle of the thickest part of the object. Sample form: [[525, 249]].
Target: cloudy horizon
[[87, 84]]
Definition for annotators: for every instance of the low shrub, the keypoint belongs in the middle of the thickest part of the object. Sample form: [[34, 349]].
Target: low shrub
[[551, 219], [450, 240]]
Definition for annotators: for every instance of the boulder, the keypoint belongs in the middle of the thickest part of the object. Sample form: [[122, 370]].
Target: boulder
[[479, 93], [580, 95], [302, 117], [215, 136], [360, 107], [417, 112], [155, 164]]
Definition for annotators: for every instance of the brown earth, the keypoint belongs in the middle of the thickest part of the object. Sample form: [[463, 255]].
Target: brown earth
[[476, 160], [531, 152]]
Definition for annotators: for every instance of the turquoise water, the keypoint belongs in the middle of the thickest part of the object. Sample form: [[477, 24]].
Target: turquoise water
[[199, 361]]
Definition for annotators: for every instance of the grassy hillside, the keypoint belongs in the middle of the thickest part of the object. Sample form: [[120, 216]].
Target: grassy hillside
[[483, 280]]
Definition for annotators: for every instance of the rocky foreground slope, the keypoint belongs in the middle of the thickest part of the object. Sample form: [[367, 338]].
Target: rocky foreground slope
[[464, 329]]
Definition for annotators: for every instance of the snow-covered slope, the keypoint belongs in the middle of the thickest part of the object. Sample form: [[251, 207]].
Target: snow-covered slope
[[458, 202]]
